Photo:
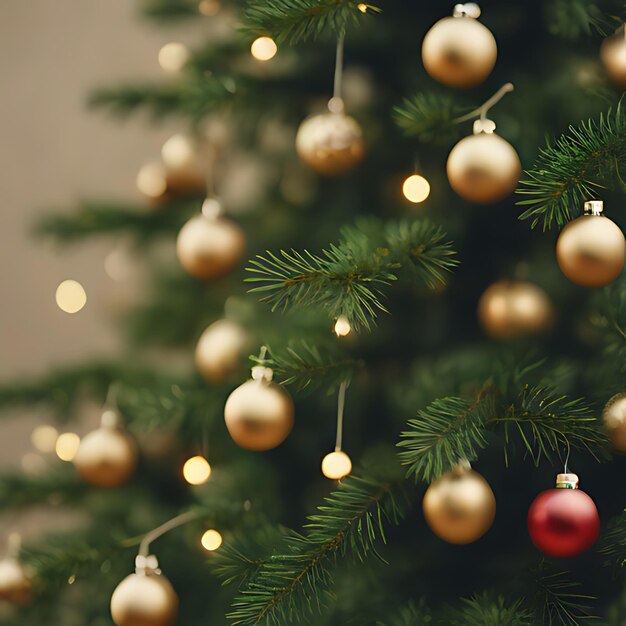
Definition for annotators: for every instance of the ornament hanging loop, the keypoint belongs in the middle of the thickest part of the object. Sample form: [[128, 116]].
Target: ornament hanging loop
[[483, 109], [144, 560]]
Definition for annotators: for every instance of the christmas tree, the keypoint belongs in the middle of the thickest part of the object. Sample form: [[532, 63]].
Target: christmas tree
[[387, 308]]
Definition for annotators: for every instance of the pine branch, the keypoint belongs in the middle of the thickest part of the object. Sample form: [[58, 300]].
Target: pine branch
[[61, 486], [412, 614], [613, 542], [483, 610], [547, 422], [349, 278], [307, 366], [447, 431], [572, 19], [299, 20], [194, 97], [451, 429], [610, 319], [430, 116], [573, 169], [106, 218], [556, 602], [295, 583]]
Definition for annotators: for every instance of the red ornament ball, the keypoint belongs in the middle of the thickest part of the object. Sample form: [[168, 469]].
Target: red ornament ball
[[563, 522]]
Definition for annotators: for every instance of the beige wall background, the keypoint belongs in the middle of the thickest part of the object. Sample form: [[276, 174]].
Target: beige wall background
[[54, 151]]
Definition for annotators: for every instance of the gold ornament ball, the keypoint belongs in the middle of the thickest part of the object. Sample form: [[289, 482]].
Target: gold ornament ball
[[513, 308], [613, 55], [460, 506], [219, 350], [144, 600], [259, 415], [459, 52], [336, 465], [591, 251], [330, 143], [15, 584], [209, 247], [107, 457], [483, 168], [614, 417]]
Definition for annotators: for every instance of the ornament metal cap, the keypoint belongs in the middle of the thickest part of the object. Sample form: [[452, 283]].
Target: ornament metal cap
[[212, 208], [593, 207], [567, 481], [110, 419], [469, 9], [146, 565], [260, 372]]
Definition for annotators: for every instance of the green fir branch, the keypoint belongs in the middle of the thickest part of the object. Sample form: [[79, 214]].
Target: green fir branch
[[411, 614], [349, 278], [299, 20], [94, 218], [58, 485], [573, 169], [613, 541], [310, 366], [573, 19], [556, 600], [295, 583], [430, 116], [447, 431], [484, 610]]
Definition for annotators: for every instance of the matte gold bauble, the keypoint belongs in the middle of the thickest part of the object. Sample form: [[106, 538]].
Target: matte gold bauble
[[591, 250], [483, 168], [613, 54], [614, 417], [459, 51], [107, 457], [15, 583], [330, 143], [219, 350], [144, 599], [460, 506], [513, 308], [210, 247], [259, 414]]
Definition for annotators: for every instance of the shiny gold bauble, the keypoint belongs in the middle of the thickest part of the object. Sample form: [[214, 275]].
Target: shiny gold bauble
[[614, 417], [219, 350], [460, 506], [15, 583], [483, 168], [513, 308], [259, 415], [144, 600], [591, 251], [459, 52], [613, 54], [330, 143], [210, 247], [107, 457]]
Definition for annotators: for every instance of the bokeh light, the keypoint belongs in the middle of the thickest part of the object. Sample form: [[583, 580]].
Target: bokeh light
[[71, 296], [67, 446], [336, 465], [263, 48], [416, 188], [152, 180], [196, 470], [44, 438], [173, 56], [209, 8], [211, 540], [178, 152]]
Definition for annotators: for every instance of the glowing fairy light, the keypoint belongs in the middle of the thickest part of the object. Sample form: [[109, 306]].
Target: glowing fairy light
[[71, 296], [263, 48], [416, 188], [196, 470], [211, 540]]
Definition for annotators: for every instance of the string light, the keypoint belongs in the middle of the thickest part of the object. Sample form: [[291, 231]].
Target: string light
[[362, 7], [416, 188], [209, 8], [336, 465], [44, 438], [342, 326], [196, 470], [71, 296], [67, 446], [173, 56], [263, 48], [178, 152], [211, 540], [152, 180]]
